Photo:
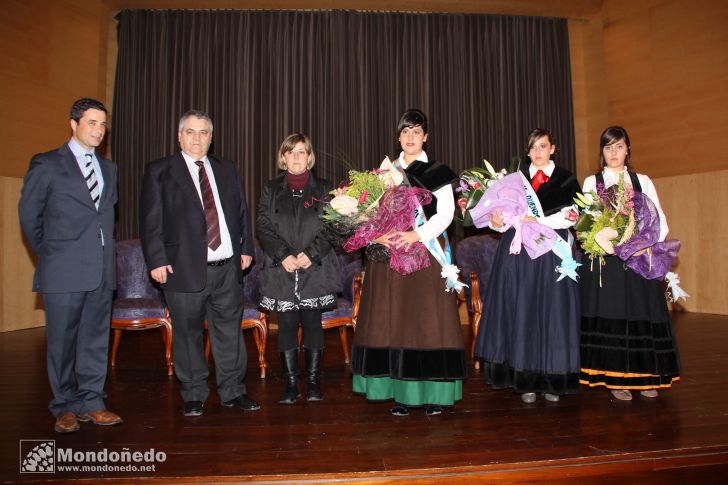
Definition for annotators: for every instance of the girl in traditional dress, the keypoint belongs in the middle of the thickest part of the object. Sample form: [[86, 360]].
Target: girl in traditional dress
[[408, 346], [529, 335], [627, 340]]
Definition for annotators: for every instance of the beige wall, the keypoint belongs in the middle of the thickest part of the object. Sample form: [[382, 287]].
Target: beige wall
[[667, 81], [52, 52], [19, 306], [589, 91], [658, 67], [694, 205]]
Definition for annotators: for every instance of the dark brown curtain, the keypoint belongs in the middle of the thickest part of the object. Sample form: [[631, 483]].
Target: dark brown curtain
[[341, 77]]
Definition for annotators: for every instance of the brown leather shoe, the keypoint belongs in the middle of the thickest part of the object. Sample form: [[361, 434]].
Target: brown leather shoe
[[66, 423], [102, 417]]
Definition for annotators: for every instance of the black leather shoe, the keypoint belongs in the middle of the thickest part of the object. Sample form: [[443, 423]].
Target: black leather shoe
[[433, 410], [193, 408], [243, 402], [399, 411]]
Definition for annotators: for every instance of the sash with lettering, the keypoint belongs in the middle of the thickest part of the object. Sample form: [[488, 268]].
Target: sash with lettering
[[514, 195]]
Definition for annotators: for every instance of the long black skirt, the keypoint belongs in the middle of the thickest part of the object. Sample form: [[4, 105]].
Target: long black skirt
[[627, 339], [529, 335]]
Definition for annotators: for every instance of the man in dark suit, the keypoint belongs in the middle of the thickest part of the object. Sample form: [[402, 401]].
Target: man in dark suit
[[196, 236], [67, 213]]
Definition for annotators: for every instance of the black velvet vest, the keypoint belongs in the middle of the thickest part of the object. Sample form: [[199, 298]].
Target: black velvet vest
[[431, 176], [632, 175], [558, 192]]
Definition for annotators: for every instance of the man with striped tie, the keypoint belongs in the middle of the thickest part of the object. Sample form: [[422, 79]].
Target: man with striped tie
[[67, 214], [196, 236]]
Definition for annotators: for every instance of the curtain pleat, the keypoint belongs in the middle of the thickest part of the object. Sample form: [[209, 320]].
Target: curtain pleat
[[343, 78]]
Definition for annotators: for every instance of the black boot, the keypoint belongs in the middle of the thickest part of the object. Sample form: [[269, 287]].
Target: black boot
[[313, 367], [289, 360]]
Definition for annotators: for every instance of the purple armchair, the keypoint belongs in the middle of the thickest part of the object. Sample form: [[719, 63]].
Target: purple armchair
[[474, 256], [139, 304]]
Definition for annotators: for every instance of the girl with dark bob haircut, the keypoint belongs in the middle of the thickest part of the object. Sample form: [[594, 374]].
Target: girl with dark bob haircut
[[408, 346]]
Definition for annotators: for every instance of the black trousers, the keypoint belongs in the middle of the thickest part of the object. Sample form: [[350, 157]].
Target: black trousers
[[221, 304], [310, 320]]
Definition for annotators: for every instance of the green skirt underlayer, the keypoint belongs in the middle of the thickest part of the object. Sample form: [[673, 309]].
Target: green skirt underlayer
[[409, 393]]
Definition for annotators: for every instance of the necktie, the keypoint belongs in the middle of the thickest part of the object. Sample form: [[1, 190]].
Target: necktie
[[208, 202], [91, 182], [539, 179]]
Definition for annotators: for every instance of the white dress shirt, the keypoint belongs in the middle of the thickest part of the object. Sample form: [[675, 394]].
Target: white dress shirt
[[225, 250], [435, 225], [80, 155], [648, 188]]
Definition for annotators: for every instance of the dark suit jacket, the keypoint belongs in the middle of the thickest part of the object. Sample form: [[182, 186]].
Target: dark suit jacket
[[172, 224], [284, 231], [63, 226]]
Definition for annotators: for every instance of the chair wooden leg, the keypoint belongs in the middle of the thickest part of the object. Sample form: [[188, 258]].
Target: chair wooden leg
[[115, 346], [207, 345], [344, 343], [259, 334], [476, 326], [167, 338], [261, 349], [477, 313]]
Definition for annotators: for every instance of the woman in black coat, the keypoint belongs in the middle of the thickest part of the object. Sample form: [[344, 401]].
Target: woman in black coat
[[300, 276]]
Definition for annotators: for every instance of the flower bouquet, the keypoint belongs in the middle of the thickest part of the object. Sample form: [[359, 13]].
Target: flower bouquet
[[619, 221], [607, 215], [512, 195], [372, 204], [473, 184]]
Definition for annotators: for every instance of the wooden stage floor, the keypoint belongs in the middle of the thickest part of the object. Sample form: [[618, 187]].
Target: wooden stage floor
[[490, 436]]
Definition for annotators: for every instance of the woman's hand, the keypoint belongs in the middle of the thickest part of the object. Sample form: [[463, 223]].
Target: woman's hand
[[384, 240], [529, 219], [303, 261], [496, 218], [290, 264], [404, 240]]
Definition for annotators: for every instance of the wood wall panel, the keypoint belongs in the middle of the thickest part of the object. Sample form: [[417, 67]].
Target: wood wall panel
[[19, 306], [667, 81], [690, 203], [51, 53], [50, 56], [659, 67], [562, 8], [589, 91]]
